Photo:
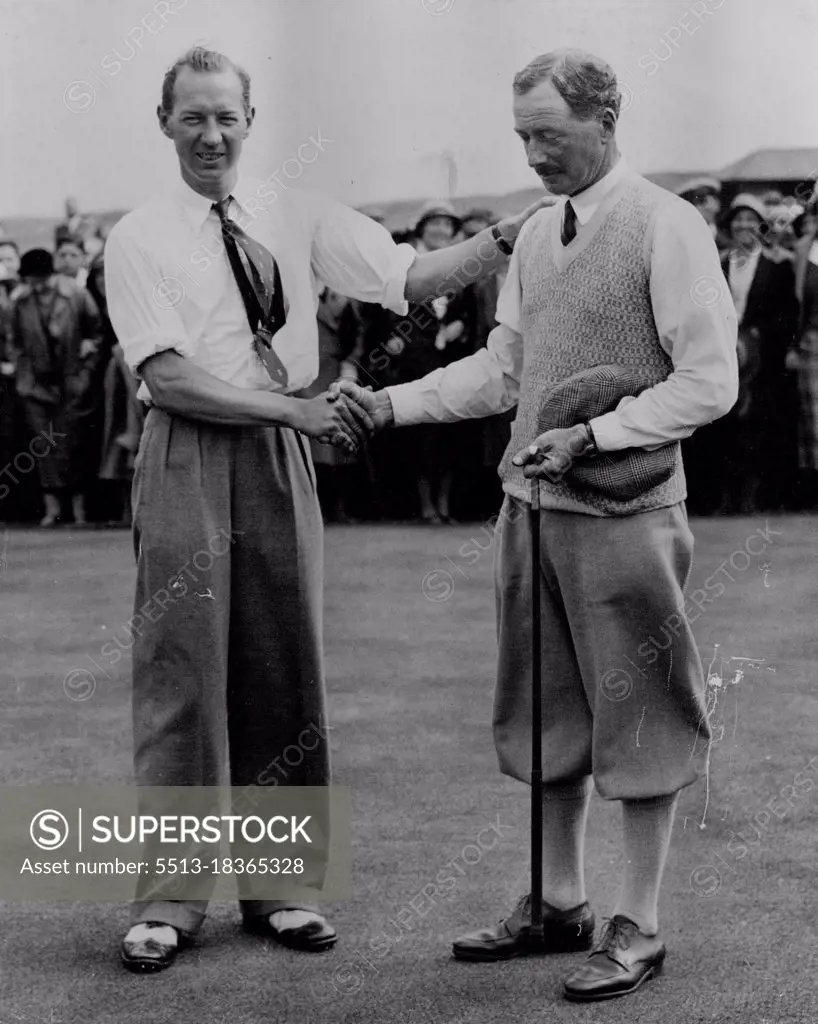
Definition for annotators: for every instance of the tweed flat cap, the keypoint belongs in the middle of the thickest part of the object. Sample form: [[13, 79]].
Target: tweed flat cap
[[621, 475]]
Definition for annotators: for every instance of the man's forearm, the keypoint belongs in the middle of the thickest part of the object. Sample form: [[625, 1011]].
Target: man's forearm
[[179, 386], [482, 384], [449, 271], [452, 269]]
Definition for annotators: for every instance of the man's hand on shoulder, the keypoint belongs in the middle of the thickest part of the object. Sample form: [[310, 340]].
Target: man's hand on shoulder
[[510, 227]]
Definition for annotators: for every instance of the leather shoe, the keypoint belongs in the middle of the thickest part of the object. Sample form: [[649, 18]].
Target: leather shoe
[[564, 931], [619, 963], [313, 937], [147, 955]]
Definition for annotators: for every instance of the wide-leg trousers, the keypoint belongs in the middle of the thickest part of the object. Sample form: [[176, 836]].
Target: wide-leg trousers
[[623, 687], [227, 655]]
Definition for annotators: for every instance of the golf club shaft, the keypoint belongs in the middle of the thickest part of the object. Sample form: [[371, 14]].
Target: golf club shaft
[[536, 717]]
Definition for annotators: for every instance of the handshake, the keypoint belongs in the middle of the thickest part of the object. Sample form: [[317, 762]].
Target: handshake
[[346, 415]]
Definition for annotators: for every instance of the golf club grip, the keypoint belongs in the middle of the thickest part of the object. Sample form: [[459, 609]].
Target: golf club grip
[[536, 717]]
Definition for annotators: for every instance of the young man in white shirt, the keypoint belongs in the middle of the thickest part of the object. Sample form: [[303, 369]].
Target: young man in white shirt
[[234, 644]]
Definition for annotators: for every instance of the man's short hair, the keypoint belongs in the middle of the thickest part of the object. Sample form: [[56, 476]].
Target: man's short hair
[[586, 83], [200, 59]]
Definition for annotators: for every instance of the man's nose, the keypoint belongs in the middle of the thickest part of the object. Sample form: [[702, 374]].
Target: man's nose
[[536, 155], [212, 134]]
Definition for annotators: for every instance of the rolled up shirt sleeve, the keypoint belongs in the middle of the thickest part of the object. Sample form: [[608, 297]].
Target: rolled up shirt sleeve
[[478, 385], [357, 257], [141, 301], [696, 322]]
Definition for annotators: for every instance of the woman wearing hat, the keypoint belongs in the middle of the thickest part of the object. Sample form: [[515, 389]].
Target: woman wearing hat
[[54, 334], [705, 194], [747, 460], [430, 336], [804, 360]]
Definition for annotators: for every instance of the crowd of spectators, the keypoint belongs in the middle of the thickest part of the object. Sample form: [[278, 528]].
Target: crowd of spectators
[[70, 423], [63, 379], [762, 456]]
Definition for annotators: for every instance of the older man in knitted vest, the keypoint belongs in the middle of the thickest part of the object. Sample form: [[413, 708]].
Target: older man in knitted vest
[[620, 282]]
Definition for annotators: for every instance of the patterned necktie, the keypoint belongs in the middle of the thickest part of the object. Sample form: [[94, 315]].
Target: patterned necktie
[[569, 224], [260, 289]]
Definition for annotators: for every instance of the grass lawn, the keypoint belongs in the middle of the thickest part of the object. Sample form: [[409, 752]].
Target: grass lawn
[[410, 662]]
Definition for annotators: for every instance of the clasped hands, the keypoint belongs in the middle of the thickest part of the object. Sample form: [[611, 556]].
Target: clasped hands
[[347, 415]]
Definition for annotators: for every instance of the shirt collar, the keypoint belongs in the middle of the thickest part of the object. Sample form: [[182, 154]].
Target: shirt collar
[[586, 202], [196, 207]]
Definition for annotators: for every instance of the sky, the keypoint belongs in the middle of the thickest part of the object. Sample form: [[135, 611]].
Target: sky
[[407, 97]]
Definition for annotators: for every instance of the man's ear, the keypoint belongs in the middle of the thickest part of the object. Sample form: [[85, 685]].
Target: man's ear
[[609, 120], [162, 117], [249, 117]]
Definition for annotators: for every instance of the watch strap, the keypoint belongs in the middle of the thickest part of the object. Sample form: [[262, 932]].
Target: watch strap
[[591, 450], [501, 243]]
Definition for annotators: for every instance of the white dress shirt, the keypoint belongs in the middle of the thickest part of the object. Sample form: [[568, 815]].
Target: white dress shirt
[[695, 321], [170, 285]]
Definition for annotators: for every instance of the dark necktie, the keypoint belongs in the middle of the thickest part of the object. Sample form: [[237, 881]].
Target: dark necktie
[[260, 289], [569, 224]]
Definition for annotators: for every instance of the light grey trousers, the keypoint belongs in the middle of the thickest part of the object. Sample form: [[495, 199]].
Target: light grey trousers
[[227, 660], [623, 687]]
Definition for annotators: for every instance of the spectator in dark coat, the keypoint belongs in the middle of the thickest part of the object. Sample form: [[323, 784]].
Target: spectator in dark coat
[[429, 336], [116, 422], [17, 502], [54, 337], [804, 360], [747, 461], [483, 442]]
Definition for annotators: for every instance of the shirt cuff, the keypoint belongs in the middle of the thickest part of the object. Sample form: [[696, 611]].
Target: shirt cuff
[[394, 292], [137, 350], [407, 404], [609, 434]]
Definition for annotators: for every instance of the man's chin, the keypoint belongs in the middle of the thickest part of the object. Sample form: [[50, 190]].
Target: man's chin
[[556, 184], [198, 173], [209, 171]]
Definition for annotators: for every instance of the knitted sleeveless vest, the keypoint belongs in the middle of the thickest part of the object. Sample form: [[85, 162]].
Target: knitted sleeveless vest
[[583, 305]]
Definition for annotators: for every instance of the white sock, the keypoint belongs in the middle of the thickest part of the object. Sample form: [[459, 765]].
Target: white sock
[[646, 830], [287, 920], [164, 933], [565, 809]]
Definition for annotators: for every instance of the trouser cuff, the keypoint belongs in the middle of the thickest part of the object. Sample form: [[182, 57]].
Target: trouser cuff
[[665, 800], [185, 918], [576, 790], [263, 908]]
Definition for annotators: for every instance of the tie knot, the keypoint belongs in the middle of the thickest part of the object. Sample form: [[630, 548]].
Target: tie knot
[[222, 207]]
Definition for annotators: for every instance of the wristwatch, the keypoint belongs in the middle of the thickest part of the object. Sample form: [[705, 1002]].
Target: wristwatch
[[500, 242], [590, 451]]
